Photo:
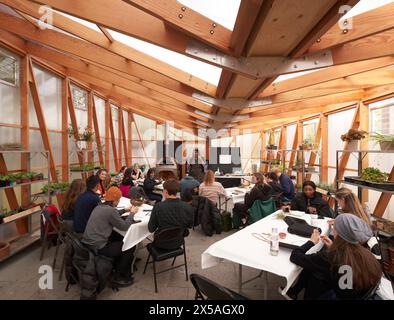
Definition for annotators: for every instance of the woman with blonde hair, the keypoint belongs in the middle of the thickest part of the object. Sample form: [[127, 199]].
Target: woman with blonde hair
[[210, 188], [349, 203]]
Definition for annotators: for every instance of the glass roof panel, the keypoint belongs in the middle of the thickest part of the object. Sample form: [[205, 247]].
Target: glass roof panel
[[223, 12], [196, 68]]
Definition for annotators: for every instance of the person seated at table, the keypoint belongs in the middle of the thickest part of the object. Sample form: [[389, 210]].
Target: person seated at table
[[100, 236], [273, 181], [349, 203], [189, 184], [149, 186], [85, 204], [310, 201], [117, 180], [77, 187], [210, 188], [137, 192], [322, 276], [137, 173], [102, 187], [127, 182], [286, 183], [172, 212], [188, 197]]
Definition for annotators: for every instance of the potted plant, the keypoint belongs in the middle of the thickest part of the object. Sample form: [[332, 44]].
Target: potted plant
[[17, 177], [386, 141], [33, 176], [3, 181], [325, 188], [353, 136], [271, 147], [307, 144], [25, 177]]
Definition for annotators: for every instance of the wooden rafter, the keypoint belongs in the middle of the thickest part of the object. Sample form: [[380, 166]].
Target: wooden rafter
[[143, 25], [186, 20], [114, 46]]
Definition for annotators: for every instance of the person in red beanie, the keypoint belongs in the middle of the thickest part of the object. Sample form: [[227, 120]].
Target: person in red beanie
[[100, 237]]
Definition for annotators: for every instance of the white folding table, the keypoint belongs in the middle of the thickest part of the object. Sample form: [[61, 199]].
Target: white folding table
[[245, 249]]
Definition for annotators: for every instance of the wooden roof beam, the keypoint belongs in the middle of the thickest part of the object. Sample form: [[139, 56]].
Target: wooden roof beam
[[360, 26], [113, 46], [186, 20], [142, 25]]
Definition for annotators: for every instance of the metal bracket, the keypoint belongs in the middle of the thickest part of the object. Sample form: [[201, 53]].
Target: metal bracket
[[259, 67], [232, 104], [222, 118], [215, 126]]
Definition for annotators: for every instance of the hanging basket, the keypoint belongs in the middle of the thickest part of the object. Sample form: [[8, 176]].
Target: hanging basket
[[386, 145]]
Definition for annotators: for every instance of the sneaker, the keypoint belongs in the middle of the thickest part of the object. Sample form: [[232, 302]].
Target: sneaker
[[288, 295]]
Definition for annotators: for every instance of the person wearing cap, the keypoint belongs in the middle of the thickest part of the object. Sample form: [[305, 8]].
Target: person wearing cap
[[100, 237], [321, 276]]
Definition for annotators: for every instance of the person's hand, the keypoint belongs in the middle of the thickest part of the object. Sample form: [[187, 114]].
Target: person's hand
[[311, 210], [315, 237], [326, 240], [133, 209]]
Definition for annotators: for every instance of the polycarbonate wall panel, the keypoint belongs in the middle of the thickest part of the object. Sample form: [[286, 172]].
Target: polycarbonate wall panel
[[49, 91]]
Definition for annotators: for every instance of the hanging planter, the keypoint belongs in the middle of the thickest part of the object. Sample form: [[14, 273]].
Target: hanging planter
[[353, 138], [353, 145], [386, 141]]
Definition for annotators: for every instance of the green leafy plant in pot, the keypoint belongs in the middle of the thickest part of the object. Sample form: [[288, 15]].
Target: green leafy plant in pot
[[386, 141], [374, 175]]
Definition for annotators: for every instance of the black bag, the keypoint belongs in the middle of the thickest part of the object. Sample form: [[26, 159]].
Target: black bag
[[226, 221], [299, 227]]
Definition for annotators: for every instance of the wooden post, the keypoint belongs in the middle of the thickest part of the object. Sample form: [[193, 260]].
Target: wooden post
[[124, 142], [120, 137], [384, 199], [142, 143], [294, 147], [364, 125], [65, 161], [107, 134], [324, 148], [112, 131], [130, 137], [300, 137], [24, 119], [313, 155], [262, 150], [97, 134], [41, 121], [90, 155]]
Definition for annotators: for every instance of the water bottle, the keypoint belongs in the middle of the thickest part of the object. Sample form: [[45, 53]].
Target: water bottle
[[274, 242]]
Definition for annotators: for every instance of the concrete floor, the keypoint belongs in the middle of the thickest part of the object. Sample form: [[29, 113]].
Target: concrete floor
[[19, 276]]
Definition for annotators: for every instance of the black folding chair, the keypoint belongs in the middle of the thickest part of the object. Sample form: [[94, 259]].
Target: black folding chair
[[56, 231], [207, 289], [168, 243]]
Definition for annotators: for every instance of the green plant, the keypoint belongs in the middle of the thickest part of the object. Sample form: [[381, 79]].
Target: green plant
[[326, 186], [354, 134], [55, 186], [374, 175], [87, 135], [382, 137], [84, 167]]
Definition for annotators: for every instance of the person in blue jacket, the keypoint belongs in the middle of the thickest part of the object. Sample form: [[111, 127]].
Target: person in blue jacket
[[286, 183]]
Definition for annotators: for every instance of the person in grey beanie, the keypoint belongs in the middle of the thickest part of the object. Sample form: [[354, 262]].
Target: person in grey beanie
[[322, 277], [354, 230]]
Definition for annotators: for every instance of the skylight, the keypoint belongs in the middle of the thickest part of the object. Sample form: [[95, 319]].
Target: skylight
[[223, 12], [364, 6], [197, 68]]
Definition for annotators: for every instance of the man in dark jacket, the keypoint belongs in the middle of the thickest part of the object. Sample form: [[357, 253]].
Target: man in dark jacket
[[85, 204], [286, 183], [172, 212]]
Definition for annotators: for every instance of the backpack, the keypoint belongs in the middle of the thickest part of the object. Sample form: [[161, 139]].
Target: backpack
[[299, 227]]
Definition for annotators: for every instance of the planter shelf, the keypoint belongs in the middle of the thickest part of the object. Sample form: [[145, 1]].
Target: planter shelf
[[21, 214], [23, 184], [378, 186]]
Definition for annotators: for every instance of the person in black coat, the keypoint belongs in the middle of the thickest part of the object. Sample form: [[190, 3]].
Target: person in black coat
[[149, 186], [310, 201]]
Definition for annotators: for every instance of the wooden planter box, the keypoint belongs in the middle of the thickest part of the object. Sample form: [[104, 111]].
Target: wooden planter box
[[21, 214], [4, 250]]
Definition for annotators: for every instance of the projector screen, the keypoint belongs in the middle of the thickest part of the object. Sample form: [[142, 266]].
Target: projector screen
[[225, 159]]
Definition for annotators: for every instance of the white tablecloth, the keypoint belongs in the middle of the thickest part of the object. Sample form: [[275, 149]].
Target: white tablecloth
[[243, 248], [138, 231]]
